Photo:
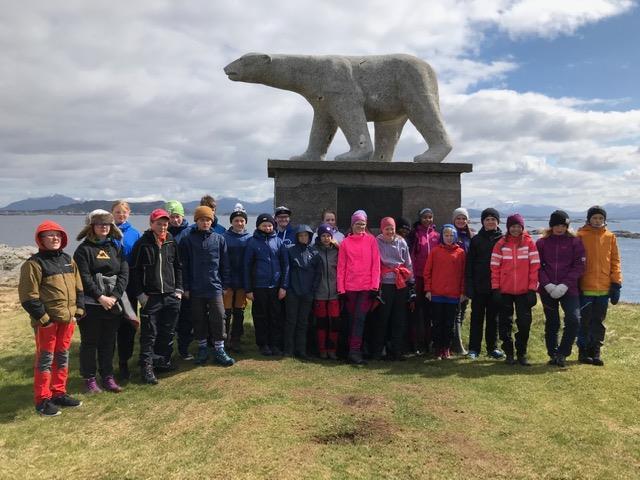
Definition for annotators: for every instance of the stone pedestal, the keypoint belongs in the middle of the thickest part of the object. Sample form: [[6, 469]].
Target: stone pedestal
[[381, 189]]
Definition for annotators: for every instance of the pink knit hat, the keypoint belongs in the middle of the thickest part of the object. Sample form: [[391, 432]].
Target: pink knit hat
[[386, 221], [358, 216]]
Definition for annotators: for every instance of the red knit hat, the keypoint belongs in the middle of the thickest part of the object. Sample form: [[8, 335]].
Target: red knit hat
[[387, 221]]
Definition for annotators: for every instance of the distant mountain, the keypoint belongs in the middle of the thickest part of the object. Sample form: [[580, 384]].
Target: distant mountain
[[226, 205], [615, 211], [39, 203]]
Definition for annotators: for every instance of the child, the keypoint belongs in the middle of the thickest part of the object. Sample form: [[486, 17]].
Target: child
[[235, 299], [50, 290], [300, 293], [284, 229], [328, 217], [266, 279], [127, 330], [514, 281], [156, 273], [358, 279], [209, 201], [460, 220], [478, 286], [99, 257], [444, 288], [601, 283], [326, 306], [561, 265], [421, 240], [395, 282], [205, 266]]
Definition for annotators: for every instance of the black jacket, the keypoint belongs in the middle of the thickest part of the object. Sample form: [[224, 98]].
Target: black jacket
[[105, 258], [478, 270], [155, 269]]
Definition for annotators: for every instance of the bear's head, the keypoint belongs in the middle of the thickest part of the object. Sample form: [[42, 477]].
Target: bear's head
[[252, 67]]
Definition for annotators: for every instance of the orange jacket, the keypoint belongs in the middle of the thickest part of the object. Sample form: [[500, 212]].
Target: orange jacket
[[444, 271], [603, 259], [514, 265]]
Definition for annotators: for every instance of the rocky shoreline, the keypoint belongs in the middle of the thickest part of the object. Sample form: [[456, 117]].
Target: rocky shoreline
[[11, 259]]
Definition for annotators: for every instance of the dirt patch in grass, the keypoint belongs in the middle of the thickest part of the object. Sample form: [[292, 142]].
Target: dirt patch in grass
[[474, 457], [361, 431]]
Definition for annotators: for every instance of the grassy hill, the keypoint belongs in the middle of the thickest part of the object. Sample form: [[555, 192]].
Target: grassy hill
[[283, 419]]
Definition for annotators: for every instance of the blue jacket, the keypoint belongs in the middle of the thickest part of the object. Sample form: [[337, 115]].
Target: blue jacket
[[301, 266], [217, 227], [288, 235], [205, 263], [266, 263], [180, 232], [236, 246], [129, 237]]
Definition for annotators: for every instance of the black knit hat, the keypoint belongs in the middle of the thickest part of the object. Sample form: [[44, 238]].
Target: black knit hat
[[595, 210], [559, 217], [265, 217], [490, 212], [402, 223]]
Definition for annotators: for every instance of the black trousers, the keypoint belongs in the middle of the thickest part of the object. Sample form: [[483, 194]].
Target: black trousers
[[295, 328], [208, 318], [97, 338], [444, 316], [391, 317], [267, 317], [523, 322], [484, 313], [158, 320]]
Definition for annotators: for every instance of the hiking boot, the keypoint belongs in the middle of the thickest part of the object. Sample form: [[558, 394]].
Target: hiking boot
[[186, 356], [202, 356], [584, 357], [148, 376], [472, 355], [276, 352], [597, 361], [110, 384], [332, 356], [561, 361], [553, 361], [509, 360], [92, 386], [165, 367], [221, 358], [265, 351], [46, 408], [123, 371], [496, 353], [65, 400], [235, 345], [355, 358], [522, 360]]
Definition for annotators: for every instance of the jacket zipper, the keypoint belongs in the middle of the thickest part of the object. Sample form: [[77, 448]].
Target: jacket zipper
[[160, 264]]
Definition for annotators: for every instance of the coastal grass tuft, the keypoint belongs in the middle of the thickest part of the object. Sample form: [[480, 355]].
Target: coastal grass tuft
[[265, 418]]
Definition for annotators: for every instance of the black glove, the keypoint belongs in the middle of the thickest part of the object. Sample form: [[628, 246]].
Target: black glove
[[469, 293], [412, 292], [496, 296], [374, 293], [614, 293], [532, 298]]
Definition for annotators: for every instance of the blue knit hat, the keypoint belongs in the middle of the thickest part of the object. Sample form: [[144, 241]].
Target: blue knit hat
[[452, 227]]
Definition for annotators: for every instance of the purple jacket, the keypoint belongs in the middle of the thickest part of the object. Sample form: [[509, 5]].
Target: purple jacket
[[562, 260]]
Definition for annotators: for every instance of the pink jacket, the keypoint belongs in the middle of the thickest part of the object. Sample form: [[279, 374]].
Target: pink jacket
[[358, 264], [422, 240]]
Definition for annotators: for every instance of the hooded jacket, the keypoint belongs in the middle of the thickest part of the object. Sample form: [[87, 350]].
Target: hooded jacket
[[395, 260], [514, 265], [422, 240], [602, 259], [358, 263], [50, 287], [236, 246], [301, 272], [562, 260], [287, 235], [205, 263], [478, 270], [325, 265], [266, 262], [129, 237], [156, 269], [181, 230], [444, 273]]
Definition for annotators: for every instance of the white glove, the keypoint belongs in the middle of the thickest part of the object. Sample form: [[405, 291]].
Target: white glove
[[550, 288], [559, 291]]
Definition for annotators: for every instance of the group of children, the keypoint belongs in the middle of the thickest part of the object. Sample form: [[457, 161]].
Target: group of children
[[355, 296]]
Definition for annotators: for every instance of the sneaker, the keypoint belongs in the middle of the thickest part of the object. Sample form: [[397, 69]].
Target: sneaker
[[166, 367], [447, 353], [553, 361], [522, 360], [332, 356], [92, 386], [355, 358], [202, 356], [123, 371], [472, 355], [509, 360], [235, 345], [597, 361], [561, 361], [148, 376], [110, 385], [497, 354], [46, 408], [276, 352], [65, 400], [221, 358], [265, 351], [324, 355], [186, 356]]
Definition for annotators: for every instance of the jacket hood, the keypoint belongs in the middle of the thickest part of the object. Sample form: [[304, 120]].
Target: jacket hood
[[302, 228], [455, 233], [50, 225], [261, 235]]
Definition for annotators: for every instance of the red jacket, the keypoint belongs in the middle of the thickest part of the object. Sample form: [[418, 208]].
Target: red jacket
[[514, 265], [444, 271]]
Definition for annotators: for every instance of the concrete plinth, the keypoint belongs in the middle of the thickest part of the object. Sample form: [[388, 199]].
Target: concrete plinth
[[381, 189]]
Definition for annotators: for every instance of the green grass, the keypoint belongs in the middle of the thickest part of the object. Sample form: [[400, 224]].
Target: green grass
[[281, 419]]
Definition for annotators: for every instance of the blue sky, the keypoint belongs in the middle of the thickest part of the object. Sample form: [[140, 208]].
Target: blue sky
[[107, 99]]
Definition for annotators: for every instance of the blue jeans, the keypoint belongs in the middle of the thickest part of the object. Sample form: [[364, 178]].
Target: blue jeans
[[593, 311], [571, 308]]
